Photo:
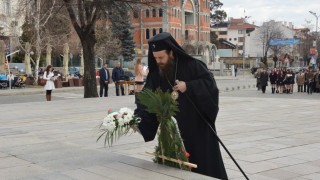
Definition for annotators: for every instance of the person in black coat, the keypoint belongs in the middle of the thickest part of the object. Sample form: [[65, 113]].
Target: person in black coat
[[104, 80], [273, 80], [117, 72], [280, 81], [197, 88], [264, 80]]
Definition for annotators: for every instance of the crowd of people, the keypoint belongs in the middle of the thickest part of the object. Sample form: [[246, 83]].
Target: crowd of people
[[283, 80]]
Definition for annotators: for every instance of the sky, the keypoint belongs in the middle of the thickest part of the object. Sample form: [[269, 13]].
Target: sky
[[295, 11]]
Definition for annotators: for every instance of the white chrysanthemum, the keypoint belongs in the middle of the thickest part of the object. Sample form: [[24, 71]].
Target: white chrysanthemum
[[121, 122], [111, 126], [108, 119], [124, 110], [130, 114], [127, 119]]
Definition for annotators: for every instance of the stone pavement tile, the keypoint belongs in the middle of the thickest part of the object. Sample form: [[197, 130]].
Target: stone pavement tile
[[56, 154], [309, 156], [50, 176], [299, 178], [7, 162], [124, 171], [20, 172], [254, 157], [314, 163], [234, 173], [91, 159], [279, 174], [257, 167], [314, 176], [302, 169], [81, 174], [165, 170], [3, 155], [35, 148], [255, 176], [289, 160]]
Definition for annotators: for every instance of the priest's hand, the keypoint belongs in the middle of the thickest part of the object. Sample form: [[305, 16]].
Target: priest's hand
[[181, 86]]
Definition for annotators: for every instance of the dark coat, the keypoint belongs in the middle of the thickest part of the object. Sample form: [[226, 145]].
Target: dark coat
[[102, 74], [273, 78], [116, 73], [264, 78], [281, 79], [198, 139]]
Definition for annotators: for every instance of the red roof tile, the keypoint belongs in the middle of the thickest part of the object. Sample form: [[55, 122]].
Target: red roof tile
[[237, 20], [243, 26]]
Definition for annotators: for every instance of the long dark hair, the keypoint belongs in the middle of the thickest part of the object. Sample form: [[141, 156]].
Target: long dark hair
[[48, 69]]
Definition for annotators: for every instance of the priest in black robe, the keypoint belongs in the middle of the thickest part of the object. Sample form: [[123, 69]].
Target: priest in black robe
[[197, 89]]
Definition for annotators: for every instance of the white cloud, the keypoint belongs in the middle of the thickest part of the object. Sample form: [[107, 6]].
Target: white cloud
[[295, 11]]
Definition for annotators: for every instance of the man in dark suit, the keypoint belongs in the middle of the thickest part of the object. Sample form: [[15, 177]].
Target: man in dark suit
[[264, 80], [104, 80], [117, 72]]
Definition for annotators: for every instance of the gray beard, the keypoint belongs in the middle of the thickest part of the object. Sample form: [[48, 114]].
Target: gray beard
[[168, 71]]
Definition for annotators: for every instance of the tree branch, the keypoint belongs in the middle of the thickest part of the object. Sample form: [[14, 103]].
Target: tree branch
[[73, 17]]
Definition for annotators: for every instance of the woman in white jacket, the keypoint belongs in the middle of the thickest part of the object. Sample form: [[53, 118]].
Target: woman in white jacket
[[49, 76]]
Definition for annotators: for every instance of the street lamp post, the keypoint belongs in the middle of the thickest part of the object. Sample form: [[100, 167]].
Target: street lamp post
[[317, 17], [244, 42]]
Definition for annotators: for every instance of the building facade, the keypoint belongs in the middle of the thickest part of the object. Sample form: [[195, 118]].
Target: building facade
[[186, 20], [10, 23], [234, 31]]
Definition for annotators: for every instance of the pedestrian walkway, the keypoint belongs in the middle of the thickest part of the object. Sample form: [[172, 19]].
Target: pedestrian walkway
[[272, 138]]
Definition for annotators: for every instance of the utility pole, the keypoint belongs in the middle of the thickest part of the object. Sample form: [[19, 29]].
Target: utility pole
[[244, 42], [317, 17]]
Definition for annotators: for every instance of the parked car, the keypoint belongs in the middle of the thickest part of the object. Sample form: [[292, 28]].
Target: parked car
[[73, 70]]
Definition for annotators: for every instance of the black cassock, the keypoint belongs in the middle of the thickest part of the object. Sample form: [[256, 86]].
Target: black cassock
[[198, 139]]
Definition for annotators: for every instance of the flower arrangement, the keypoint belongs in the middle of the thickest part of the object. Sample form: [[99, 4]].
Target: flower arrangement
[[117, 124]]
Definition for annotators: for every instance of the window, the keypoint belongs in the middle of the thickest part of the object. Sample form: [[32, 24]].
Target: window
[[235, 39], [154, 13], [186, 34], [240, 47], [160, 12], [241, 39], [147, 13], [230, 39], [206, 4], [160, 30], [6, 7], [175, 13], [175, 33], [154, 32], [147, 34], [240, 31], [135, 14], [223, 32]]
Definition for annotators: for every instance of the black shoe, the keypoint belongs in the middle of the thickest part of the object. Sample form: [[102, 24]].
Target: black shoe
[[277, 91]]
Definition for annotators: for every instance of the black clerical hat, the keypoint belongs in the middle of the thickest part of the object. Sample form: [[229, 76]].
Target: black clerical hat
[[157, 42]]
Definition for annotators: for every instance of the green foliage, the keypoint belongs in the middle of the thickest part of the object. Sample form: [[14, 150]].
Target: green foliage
[[170, 143], [216, 14], [121, 28], [213, 38]]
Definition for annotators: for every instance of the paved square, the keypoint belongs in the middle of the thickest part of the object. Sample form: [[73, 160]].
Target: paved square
[[271, 136]]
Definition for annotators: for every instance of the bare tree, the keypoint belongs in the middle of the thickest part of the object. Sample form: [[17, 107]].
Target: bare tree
[[270, 30], [44, 24], [84, 14], [108, 46]]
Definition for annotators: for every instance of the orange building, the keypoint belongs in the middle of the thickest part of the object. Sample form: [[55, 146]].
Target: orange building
[[186, 20]]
